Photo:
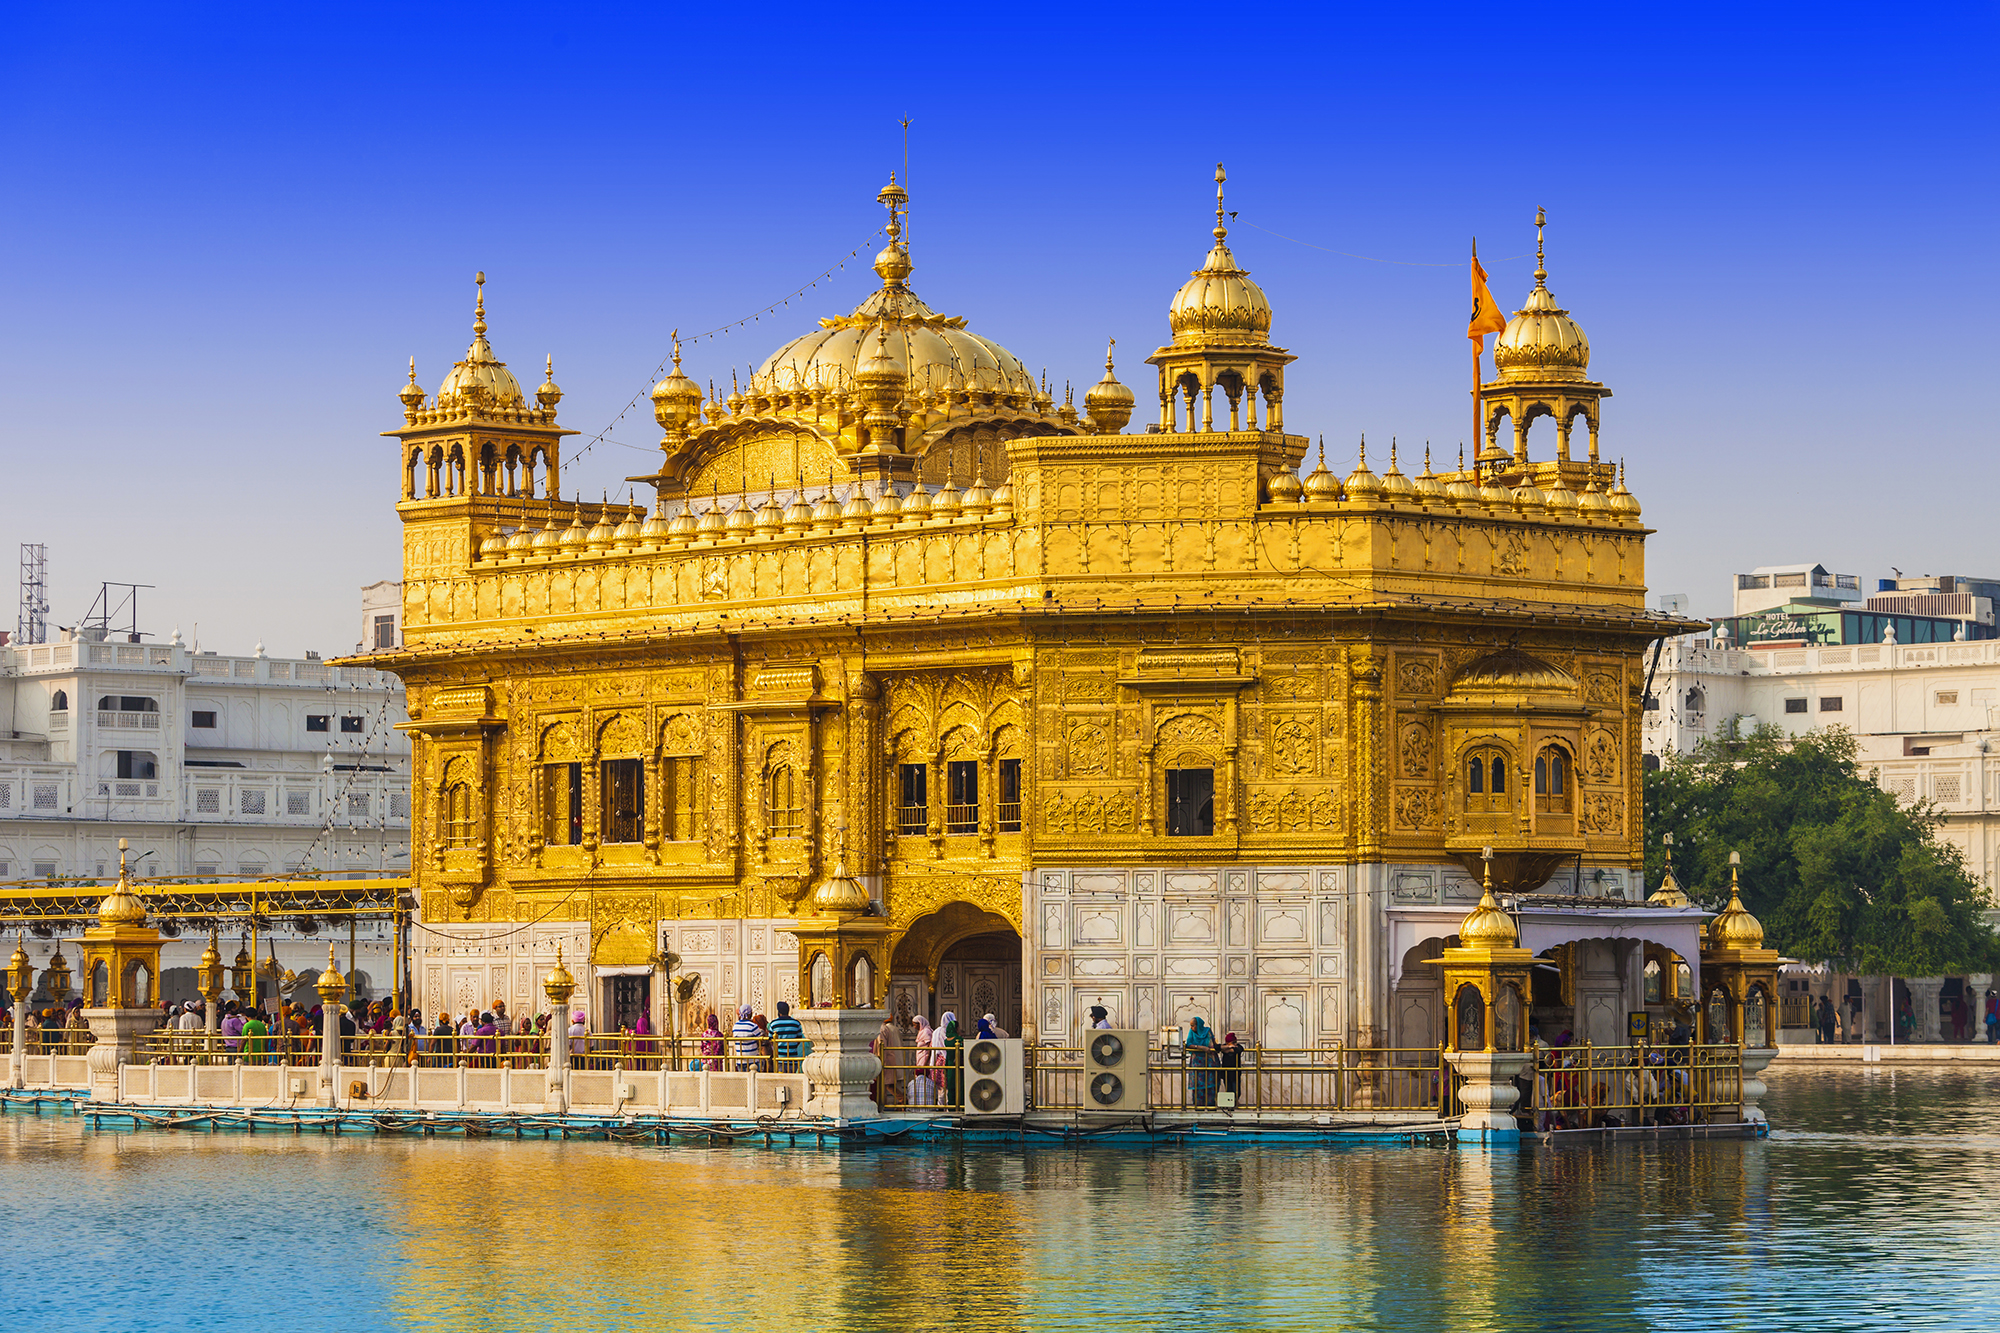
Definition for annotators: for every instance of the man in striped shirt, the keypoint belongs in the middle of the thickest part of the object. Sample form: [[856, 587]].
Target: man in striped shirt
[[786, 1035]]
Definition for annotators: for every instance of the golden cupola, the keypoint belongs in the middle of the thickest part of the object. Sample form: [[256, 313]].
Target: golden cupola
[[1221, 350], [677, 399], [1108, 403], [1219, 303], [481, 383], [1541, 341], [1734, 927], [1542, 359]]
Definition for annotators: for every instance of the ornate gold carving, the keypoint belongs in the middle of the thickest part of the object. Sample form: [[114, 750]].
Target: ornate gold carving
[[1087, 813], [1413, 751], [1088, 750], [1416, 808], [1292, 811], [1292, 748], [1600, 757], [1603, 813], [1416, 676], [1602, 688]]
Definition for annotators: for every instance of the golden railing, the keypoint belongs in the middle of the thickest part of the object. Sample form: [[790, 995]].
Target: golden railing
[[51, 1041], [1604, 1087]]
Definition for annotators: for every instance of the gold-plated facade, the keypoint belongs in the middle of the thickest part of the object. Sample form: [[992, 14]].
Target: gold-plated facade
[[1144, 650]]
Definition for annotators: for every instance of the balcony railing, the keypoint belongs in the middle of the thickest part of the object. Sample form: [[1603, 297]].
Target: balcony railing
[[1008, 816], [961, 819], [128, 721], [912, 820]]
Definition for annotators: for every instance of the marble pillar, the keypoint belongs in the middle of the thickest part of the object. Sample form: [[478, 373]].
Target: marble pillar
[[1489, 1093], [1924, 993], [1756, 1059], [117, 1032], [841, 1066]]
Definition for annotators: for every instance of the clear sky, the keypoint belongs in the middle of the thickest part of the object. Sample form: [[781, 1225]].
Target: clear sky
[[223, 233]]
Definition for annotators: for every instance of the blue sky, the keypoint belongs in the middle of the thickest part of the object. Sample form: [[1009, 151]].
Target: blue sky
[[225, 231]]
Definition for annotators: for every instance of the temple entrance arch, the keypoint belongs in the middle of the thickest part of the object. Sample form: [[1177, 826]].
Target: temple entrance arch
[[960, 959]]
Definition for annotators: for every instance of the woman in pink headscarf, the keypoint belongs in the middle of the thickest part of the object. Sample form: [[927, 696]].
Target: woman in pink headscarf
[[923, 1090], [711, 1045]]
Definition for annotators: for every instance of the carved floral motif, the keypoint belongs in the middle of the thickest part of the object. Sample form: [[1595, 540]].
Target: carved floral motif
[[1413, 752], [1292, 749], [1293, 811]]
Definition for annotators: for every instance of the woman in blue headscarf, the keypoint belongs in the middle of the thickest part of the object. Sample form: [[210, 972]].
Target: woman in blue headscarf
[[1200, 1045], [954, 1062]]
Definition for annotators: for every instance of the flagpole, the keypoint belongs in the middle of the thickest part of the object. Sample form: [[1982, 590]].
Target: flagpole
[[1478, 346]]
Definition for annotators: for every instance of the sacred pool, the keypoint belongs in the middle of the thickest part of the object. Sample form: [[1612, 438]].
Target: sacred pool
[[1867, 1207]]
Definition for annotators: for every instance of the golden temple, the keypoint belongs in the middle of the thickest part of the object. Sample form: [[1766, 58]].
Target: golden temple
[[1003, 707]]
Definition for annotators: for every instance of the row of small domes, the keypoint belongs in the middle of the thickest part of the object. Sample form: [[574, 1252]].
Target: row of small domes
[[1393, 487], [768, 517]]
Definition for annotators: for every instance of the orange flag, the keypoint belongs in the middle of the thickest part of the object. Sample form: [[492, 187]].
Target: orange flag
[[1486, 316]]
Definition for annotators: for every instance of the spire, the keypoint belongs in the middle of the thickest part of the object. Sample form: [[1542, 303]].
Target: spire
[[479, 305], [1221, 232], [1541, 271]]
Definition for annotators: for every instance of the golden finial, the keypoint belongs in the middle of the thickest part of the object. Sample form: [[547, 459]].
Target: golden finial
[[1322, 453], [1541, 220], [1220, 176], [1107, 358], [1427, 457], [413, 370], [1392, 453], [1364, 451], [677, 351], [479, 304]]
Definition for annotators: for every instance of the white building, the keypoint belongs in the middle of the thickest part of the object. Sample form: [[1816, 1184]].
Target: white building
[[210, 765], [1770, 586], [1925, 714]]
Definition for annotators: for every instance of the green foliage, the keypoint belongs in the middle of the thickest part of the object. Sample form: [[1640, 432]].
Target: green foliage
[[1833, 866]]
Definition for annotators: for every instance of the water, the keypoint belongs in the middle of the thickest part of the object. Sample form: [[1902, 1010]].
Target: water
[[1870, 1209]]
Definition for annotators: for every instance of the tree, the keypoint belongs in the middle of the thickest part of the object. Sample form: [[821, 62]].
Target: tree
[[1835, 868]]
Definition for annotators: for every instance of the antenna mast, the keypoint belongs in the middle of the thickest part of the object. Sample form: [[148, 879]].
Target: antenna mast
[[33, 626]]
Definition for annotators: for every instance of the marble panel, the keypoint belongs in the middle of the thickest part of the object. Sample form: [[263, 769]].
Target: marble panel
[[1281, 924], [1098, 966], [1191, 925], [1146, 927], [1145, 965], [1097, 881], [1331, 1023], [1237, 965], [1098, 925], [1413, 886], [1236, 1012], [1332, 923], [1052, 882], [1329, 881], [1237, 925], [1330, 964], [1460, 887], [1191, 881], [1283, 967], [1052, 925], [1144, 1012], [1190, 967], [1282, 1019], [1237, 881], [1283, 881], [1145, 881], [1184, 1006], [1113, 1000]]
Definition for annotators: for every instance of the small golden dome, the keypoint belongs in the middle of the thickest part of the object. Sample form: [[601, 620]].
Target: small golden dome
[[1486, 926], [1219, 303], [1528, 498], [521, 540], [1320, 484], [1541, 341], [1495, 496], [945, 503], [1109, 403], [1396, 488], [411, 394], [711, 521], [575, 535], [677, 399], [1460, 490], [917, 504], [1621, 501], [1429, 490], [1003, 498], [480, 380], [840, 893], [826, 512], [1285, 486], [656, 528], [550, 393], [559, 984], [859, 508], [121, 907], [18, 965], [1559, 497], [888, 504], [742, 519], [1361, 484], [548, 540], [798, 514], [601, 532], [1592, 500], [1734, 927], [978, 499], [770, 517], [493, 546], [628, 532], [331, 985]]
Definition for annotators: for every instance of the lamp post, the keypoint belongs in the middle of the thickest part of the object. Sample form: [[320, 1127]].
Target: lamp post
[[208, 980], [21, 984], [559, 985], [332, 986], [240, 979]]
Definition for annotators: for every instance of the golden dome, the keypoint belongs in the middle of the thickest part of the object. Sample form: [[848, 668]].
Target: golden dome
[[945, 503], [1321, 484], [859, 508], [711, 521], [550, 393], [1559, 497], [917, 504], [121, 907], [1734, 927], [742, 519], [1285, 486], [1511, 670], [575, 535], [841, 892], [1486, 926], [1218, 303], [1622, 501], [411, 393], [826, 511], [1528, 498], [1541, 341], [1429, 490], [1361, 484], [331, 985], [1592, 500], [925, 349], [677, 399], [1459, 490], [1109, 403], [480, 380], [770, 518], [1495, 496], [559, 984], [657, 529], [1396, 488]]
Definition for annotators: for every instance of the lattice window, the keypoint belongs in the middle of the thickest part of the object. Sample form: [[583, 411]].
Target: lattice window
[[360, 803], [6, 796], [253, 801], [1944, 789], [1904, 789], [208, 801], [298, 803], [399, 805], [623, 812], [47, 796], [784, 802], [458, 815]]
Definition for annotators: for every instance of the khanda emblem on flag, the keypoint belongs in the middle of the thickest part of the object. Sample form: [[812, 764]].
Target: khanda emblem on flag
[[1486, 315]]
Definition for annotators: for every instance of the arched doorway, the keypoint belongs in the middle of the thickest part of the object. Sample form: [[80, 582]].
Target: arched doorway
[[960, 959]]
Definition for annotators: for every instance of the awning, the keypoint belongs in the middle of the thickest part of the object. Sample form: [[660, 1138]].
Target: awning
[[1676, 928], [634, 970]]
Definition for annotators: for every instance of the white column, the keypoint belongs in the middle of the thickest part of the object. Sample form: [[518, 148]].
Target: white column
[[18, 1064], [332, 987]]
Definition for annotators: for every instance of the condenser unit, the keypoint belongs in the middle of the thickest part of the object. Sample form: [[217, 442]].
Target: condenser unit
[[1114, 1071], [995, 1077]]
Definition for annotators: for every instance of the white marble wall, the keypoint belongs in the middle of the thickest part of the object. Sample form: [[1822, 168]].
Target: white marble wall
[[753, 962], [1258, 950]]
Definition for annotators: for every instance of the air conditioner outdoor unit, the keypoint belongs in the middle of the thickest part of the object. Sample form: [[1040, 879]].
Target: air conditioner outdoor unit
[[1114, 1071], [995, 1077]]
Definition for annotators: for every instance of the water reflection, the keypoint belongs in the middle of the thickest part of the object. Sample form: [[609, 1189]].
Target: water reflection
[[1868, 1211]]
